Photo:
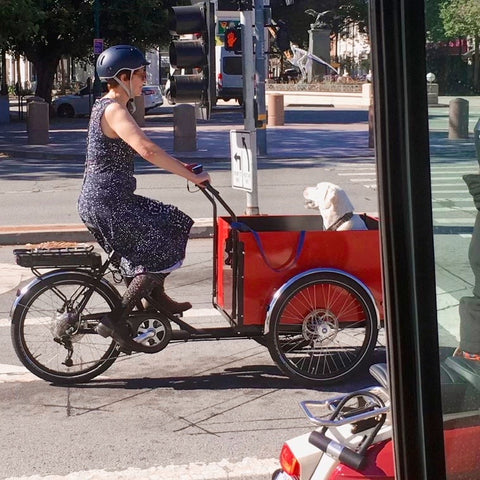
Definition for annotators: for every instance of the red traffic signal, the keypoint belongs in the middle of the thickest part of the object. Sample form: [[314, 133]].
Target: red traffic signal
[[233, 39]]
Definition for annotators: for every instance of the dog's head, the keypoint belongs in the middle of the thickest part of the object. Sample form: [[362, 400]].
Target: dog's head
[[329, 199]]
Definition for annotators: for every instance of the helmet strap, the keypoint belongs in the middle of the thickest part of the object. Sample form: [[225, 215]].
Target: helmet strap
[[128, 91]]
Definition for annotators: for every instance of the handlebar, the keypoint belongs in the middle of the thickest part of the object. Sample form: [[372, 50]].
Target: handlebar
[[211, 193]]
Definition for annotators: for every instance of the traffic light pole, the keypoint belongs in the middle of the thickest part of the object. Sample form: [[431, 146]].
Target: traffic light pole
[[248, 65]]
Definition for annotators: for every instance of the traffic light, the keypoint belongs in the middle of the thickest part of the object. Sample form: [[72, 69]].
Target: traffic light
[[195, 55], [233, 39]]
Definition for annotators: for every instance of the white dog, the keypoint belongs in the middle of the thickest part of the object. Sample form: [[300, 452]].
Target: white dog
[[334, 205]]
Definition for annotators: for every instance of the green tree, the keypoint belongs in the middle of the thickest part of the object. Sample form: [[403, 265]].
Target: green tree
[[461, 18], [66, 28], [337, 15], [434, 23], [18, 20]]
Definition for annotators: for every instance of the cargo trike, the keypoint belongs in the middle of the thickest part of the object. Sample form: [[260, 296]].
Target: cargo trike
[[312, 297]]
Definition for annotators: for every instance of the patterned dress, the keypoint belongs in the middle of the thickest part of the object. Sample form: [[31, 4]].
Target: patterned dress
[[146, 235]]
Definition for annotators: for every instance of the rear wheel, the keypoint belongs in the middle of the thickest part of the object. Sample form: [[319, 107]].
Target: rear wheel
[[53, 328], [323, 328]]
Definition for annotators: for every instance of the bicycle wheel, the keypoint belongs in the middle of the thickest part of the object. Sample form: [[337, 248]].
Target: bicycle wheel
[[53, 328], [322, 328]]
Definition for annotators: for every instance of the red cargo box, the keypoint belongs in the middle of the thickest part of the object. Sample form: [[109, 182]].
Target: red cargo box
[[270, 250]]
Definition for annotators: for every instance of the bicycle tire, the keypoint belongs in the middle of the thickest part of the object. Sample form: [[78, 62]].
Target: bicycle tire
[[323, 328], [40, 315]]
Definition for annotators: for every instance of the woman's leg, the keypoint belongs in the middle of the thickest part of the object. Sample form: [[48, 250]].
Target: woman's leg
[[159, 299], [115, 324]]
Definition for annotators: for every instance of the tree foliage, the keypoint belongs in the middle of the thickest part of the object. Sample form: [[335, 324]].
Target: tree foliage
[[59, 28], [337, 15], [461, 18], [18, 19]]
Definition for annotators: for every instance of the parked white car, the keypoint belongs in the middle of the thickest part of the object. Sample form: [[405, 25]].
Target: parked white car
[[152, 96], [80, 104]]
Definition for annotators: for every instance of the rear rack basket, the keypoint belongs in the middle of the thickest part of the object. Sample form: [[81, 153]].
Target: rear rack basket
[[58, 257]]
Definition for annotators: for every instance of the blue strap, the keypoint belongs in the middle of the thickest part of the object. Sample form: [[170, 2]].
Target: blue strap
[[243, 227]]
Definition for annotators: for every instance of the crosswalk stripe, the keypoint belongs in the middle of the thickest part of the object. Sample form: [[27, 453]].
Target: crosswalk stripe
[[454, 209], [193, 313], [457, 221]]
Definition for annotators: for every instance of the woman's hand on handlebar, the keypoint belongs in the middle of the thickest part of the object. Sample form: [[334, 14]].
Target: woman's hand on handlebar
[[203, 178]]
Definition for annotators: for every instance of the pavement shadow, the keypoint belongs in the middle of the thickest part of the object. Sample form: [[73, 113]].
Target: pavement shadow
[[238, 378]]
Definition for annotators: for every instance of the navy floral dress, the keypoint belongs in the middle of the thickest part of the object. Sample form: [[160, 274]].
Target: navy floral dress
[[146, 235]]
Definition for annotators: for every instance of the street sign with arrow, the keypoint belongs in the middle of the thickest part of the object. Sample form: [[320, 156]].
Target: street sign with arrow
[[241, 143]]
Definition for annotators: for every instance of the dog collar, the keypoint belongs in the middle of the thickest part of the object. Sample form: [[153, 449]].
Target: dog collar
[[340, 221]]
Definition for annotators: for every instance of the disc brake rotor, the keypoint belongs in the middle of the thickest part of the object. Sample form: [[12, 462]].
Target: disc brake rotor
[[320, 326]]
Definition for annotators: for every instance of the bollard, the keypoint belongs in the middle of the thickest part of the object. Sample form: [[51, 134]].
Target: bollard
[[476, 139], [4, 109], [139, 113], [458, 119], [184, 128], [276, 111], [432, 93], [37, 123], [371, 126]]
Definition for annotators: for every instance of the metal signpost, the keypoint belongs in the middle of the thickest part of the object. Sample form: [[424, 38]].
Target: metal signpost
[[249, 147]]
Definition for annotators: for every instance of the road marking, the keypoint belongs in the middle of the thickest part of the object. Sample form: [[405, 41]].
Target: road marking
[[193, 313], [12, 275], [14, 373], [251, 468], [468, 221]]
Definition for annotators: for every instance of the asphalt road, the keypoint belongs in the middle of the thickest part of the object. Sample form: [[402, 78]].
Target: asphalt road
[[207, 401]]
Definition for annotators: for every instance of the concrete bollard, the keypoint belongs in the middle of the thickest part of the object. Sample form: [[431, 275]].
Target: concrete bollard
[[432, 93], [4, 109], [276, 110], [184, 128], [139, 113], [458, 119], [37, 123]]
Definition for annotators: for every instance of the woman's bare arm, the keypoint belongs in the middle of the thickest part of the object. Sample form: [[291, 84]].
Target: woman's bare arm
[[117, 122]]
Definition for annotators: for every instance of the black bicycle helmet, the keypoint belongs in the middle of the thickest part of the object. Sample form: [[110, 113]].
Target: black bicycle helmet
[[117, 58]]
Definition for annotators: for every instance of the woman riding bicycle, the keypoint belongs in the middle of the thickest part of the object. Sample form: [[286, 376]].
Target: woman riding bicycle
[[148, 237]]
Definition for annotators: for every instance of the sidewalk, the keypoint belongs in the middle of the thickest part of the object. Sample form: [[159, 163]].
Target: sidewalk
[[304, 135]]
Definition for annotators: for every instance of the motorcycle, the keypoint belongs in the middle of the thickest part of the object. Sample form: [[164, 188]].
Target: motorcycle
[[353, 434]]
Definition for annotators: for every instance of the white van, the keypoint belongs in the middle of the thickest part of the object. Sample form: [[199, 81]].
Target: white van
[[229, 75]]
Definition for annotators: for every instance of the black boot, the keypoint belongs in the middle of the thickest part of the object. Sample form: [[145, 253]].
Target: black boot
[[160, 298]]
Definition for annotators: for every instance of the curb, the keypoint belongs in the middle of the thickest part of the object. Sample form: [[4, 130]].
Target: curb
[[246, 469], [24, 234]]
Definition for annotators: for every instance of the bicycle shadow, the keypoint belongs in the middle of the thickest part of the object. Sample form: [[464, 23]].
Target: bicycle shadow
[[259, 377]]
